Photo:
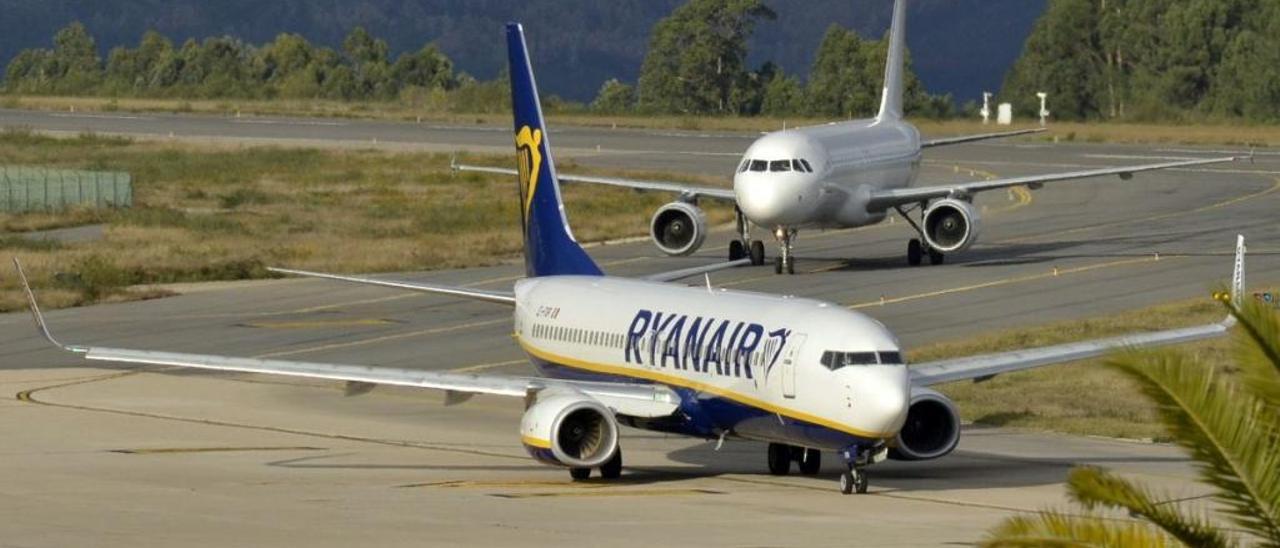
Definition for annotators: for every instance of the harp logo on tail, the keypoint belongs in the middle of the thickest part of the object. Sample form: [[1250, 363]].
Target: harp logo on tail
[[529, 164]]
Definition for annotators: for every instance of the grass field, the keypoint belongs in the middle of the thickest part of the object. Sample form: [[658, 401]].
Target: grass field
[[1082, 398], [1228, 133], [206, 214]]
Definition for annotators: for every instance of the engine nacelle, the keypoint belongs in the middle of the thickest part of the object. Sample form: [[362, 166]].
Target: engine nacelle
[[932, 429], [569, 430], [678, 228], [951, 225]]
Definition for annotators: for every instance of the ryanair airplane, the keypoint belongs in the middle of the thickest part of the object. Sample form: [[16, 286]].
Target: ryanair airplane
[[805, 376], [841, 175]]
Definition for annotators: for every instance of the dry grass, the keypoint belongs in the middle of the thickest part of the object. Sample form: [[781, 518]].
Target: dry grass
[[1230, 133], [1080, 398], [203, 215]]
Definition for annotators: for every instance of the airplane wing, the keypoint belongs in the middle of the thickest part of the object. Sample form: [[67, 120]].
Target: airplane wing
[[979, 137], [674, 275], [986, 366], [635, 400], [500, 297], [884, 199], [647, 186]]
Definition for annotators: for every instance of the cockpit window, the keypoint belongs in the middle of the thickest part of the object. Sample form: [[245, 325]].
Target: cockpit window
[[745, 164], [780, 165], [891, 358], [835, 360], [807, 167], [759, 165]]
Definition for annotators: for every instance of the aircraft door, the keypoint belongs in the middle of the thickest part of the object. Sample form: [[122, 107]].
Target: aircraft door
[[789, 365]]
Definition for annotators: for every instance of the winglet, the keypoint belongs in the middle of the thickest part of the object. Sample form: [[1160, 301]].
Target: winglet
[[1237, 274], [35, 311], [1234, 297]]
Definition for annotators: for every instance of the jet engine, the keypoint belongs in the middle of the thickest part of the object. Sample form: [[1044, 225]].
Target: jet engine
[[678, 228], [951, 225], [932, 429], [569, 429]]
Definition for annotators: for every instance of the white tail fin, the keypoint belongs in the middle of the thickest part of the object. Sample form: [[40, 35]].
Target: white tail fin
[[895, 65]]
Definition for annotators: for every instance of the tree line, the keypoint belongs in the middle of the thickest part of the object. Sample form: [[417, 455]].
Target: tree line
[[1180, 60], [226, 67], [696, 65]]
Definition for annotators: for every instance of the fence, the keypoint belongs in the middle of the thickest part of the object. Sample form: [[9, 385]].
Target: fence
[[25, 189]]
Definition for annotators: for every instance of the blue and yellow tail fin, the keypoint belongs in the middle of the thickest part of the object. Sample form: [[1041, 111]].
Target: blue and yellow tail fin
[[549, 246]]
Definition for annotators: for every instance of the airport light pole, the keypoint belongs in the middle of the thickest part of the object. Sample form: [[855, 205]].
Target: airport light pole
[[1044, 112], [986, 108]]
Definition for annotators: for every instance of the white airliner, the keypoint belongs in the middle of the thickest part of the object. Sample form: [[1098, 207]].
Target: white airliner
[[803, 375], [841, 175]]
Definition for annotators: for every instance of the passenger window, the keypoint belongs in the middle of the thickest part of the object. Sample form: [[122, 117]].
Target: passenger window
[[759, 165], [780, 165], [807, 167]]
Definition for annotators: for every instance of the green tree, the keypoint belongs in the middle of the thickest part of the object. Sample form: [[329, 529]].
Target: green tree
[[614, 98], [76, 62], [847, 79], [1061, 58], [370, 68], [426, 68], [697, 56], [783, 96], [131, 70], [1228, 426]]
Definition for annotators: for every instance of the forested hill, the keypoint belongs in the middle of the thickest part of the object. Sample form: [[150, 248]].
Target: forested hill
[[958, 46]]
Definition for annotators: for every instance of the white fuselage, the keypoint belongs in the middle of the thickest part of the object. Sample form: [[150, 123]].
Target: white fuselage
[[745, 364], [821, 176]]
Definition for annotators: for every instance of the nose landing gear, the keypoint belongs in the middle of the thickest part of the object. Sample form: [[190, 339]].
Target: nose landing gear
[[854, 480], [785, 261]]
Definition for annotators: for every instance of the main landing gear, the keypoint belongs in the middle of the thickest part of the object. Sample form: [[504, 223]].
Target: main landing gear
[[785, 262], [781, 456], [744, 246], [611, 469], [917, 249]]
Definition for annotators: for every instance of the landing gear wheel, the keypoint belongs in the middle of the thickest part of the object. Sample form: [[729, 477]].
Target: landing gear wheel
[[777, 265], [779, 459], [612, 469], [853, 480], [915, 252], [737, 250], [810, 461], [579, 473], [791, 266], [757, 252], [936, 257]]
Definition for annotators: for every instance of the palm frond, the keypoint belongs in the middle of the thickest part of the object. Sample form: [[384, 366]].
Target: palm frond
[[1093, 487], [1226, 430], [1257, 350], [1061, 530]]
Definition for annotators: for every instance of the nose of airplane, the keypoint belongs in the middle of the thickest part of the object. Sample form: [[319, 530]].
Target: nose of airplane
[[882, 399], [773, 199]]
